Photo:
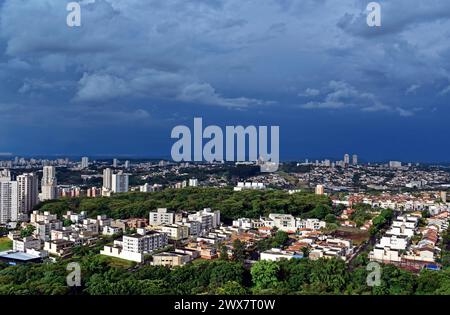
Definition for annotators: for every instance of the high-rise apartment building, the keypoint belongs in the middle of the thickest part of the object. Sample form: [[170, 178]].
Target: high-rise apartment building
[[444, 196], [107, 177], [119, 182], [346, 159], [8, 198], [115, 163], [49, 184], [84, 162], [355, 159], [28, 192]]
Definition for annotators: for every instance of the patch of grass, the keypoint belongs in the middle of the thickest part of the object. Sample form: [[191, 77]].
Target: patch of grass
[[356, 235], [5, 244], [119, 263]]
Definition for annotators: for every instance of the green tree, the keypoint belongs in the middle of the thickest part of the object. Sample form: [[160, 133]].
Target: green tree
[[265, 274], [27, 231], [238, 250]]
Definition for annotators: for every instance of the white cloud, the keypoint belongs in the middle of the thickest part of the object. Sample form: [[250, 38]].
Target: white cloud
[[412, 89]]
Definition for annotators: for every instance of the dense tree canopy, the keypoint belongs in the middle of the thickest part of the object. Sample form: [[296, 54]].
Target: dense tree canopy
[[232, 205]]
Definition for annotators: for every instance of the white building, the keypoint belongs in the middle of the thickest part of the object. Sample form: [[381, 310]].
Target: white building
[[283, 222], [134, 247], [175, 232], [110, 230], [276, 254], [193, 182], [311, 224], [395, 164], [22, 244], [119, 182], [161, 216], [107, 177], [208, 218], [49, 184], [355, 159], [249, 186], [84, 162], [28, 192], [8, 198], [44, 223]]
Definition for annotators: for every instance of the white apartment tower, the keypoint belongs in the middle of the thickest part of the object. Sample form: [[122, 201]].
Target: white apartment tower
[[84, 162], [107, 178], [355, 159], [119, 183], [28, 192], [346, 159], [49, 183], [8, 198]]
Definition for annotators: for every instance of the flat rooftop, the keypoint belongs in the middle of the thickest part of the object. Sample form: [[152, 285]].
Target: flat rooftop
[[17, 256]]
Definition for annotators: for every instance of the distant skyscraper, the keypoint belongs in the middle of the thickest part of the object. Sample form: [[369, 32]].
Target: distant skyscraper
[[320, 190], [119, 182], [107, 177], [346, 159], [8, 198], [127, 164], [444, 196], [115, 163], [355, 159], [28, 192], [49, 183], [85, 162]]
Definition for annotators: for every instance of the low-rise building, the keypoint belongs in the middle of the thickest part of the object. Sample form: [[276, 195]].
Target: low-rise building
[[171, 259], [276, 254]]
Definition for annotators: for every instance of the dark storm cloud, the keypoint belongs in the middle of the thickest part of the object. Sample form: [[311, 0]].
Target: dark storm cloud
[[132, 59]]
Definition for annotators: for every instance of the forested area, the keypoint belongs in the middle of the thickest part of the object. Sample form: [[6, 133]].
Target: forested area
[[296, 276], [232, 205]]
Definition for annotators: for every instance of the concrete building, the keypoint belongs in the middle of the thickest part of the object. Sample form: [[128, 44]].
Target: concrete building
[[134, 247], [320, 190], [161, 216], [193, 182], [8, 198], [347, 159], [355, 159], [276, 254], [107, 177], [119, 182], [171, 259], [24, 243], [28, 193], [176, 232], [84, 162], [209, 219], [49, 184], [443, 196]]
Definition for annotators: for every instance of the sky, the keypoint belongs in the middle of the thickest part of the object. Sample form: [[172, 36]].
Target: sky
[[135, 69]]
